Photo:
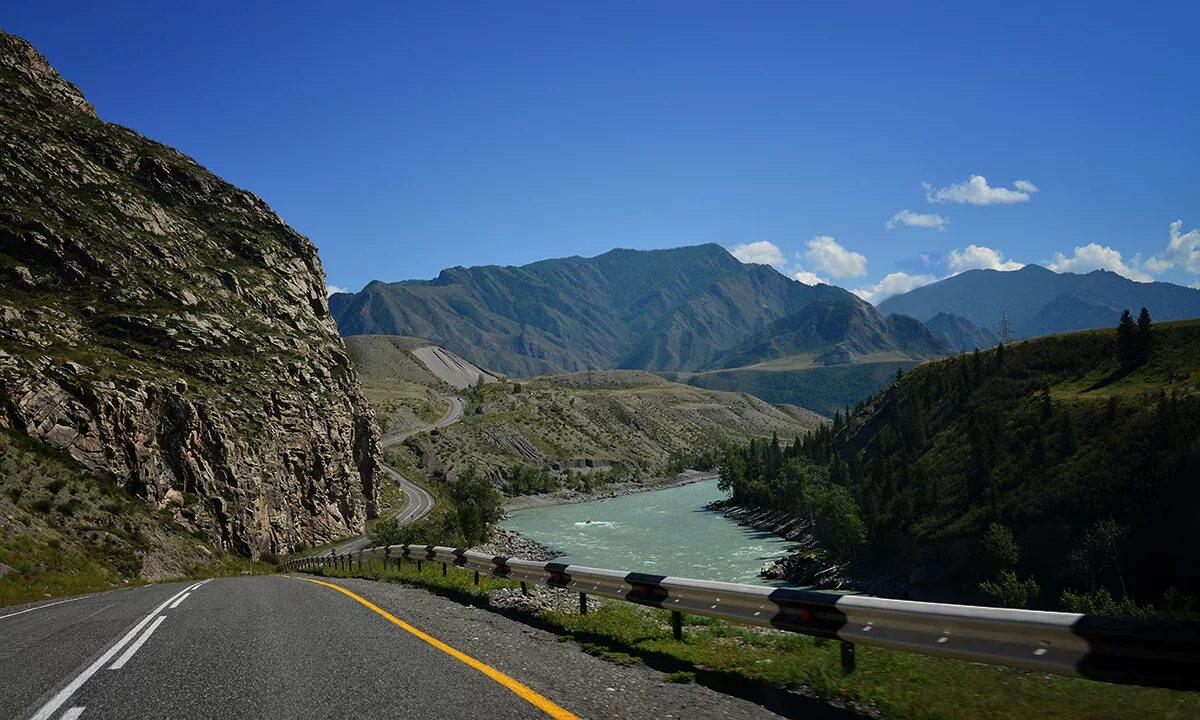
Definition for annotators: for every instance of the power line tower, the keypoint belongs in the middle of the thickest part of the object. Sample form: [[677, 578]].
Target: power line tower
[[1006, 329]]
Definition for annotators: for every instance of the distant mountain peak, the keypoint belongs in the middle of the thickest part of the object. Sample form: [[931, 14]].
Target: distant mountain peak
[[1039, 301]]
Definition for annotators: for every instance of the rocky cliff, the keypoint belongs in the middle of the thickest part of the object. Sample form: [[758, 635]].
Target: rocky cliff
[[168, 331]]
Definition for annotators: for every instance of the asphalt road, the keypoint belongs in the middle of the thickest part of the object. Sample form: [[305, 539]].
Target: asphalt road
[[418, 501], [284, 647]]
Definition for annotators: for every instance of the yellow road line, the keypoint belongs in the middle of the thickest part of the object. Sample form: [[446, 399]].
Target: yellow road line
[[524, 692]]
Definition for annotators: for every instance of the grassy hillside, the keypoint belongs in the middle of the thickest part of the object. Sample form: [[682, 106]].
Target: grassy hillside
[[64, 531], [1047, 460], [592, 427]]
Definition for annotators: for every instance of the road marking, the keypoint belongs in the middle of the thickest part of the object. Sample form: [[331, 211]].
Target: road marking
[[54, 703], [523, 691], [42, 607], [181, 599], [125, 656], [73, 713]]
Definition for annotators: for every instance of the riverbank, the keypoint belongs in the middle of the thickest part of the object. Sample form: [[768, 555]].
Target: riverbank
[[568, 497], [807, 564]]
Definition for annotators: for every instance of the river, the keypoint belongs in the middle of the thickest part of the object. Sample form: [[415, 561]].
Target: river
[[664, 532]]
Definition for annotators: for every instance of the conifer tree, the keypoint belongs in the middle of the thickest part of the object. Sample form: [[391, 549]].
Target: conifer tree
[[1144, 338], [1127, 341]]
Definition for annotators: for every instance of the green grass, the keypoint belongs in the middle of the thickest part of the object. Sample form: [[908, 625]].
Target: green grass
[[892, 684]]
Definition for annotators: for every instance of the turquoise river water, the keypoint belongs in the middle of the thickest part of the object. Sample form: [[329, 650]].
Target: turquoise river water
[[665, 532]]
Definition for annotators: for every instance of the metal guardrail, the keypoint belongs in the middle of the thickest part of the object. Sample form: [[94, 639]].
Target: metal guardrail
[[1118, 650]]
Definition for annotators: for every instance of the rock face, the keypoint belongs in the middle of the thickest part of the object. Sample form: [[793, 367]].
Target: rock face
[[168, 331]]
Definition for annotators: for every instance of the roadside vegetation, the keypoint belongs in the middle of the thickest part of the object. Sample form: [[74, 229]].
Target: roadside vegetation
[[757, 661], [465, 507], [1058, 472], [66, 532]]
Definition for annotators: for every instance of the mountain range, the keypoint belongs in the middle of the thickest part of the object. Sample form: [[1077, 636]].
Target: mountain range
[[1039, 301], [675, 310]]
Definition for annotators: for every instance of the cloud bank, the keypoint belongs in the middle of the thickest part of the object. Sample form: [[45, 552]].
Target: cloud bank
[[762, 252], [976, 191], [1096, 257], [922, 220], [978, 257], [826, 255]]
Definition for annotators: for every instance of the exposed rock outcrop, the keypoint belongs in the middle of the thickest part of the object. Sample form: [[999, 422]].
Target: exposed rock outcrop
[[168, 330]]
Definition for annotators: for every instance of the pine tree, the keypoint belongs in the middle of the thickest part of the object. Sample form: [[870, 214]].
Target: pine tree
[[1144, 338], [1127, 340]]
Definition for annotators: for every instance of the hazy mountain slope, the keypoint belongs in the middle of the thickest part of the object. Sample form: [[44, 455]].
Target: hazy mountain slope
[[167, 333], [654, 309], [1040, 301], [960, 332], [836, 334], [823, 389]]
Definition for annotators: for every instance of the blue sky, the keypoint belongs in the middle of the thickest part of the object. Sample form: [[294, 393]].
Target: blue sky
[[405, 137]]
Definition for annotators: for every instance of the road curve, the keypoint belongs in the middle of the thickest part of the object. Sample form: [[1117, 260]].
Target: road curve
[[277, 646], [418, 501]]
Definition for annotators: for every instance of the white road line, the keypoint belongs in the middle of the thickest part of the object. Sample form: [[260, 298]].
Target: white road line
[[42, 607], [176, 603], [73, 713], [54, 703], [137, 645]]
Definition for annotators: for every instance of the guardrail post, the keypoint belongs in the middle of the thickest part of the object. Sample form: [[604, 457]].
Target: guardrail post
[[443, 569], [677, 624], [847, 657], [420, 566], [583, 603], [524, 588], [476, 577]]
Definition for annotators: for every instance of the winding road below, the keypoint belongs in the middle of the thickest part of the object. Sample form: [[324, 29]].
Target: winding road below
[[418, 501]]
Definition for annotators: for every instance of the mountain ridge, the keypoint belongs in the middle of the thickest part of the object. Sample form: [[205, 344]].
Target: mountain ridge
[[1040, 301], [666, 310]]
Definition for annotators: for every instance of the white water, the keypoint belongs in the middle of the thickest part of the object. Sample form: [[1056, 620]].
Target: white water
[[664, 532]]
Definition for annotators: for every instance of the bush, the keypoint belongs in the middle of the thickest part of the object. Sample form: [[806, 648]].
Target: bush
[[1010, 591]]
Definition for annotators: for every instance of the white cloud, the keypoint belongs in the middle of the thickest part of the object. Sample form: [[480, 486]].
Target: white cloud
[[1096, 257], [1195, 285], [976, 191], [331, 289], [892, 284], [809, 278], [759, 253], [976, 257], [826, 255], [1183, 250], [924, 220]]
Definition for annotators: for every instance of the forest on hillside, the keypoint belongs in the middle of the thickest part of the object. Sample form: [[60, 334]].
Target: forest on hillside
[[1058, 472]]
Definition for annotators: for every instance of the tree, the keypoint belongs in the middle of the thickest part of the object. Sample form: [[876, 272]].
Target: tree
[[1144, 338], [1098, 549], [1001, 549], [1011, 591], [479, 505], [1127, 343]]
